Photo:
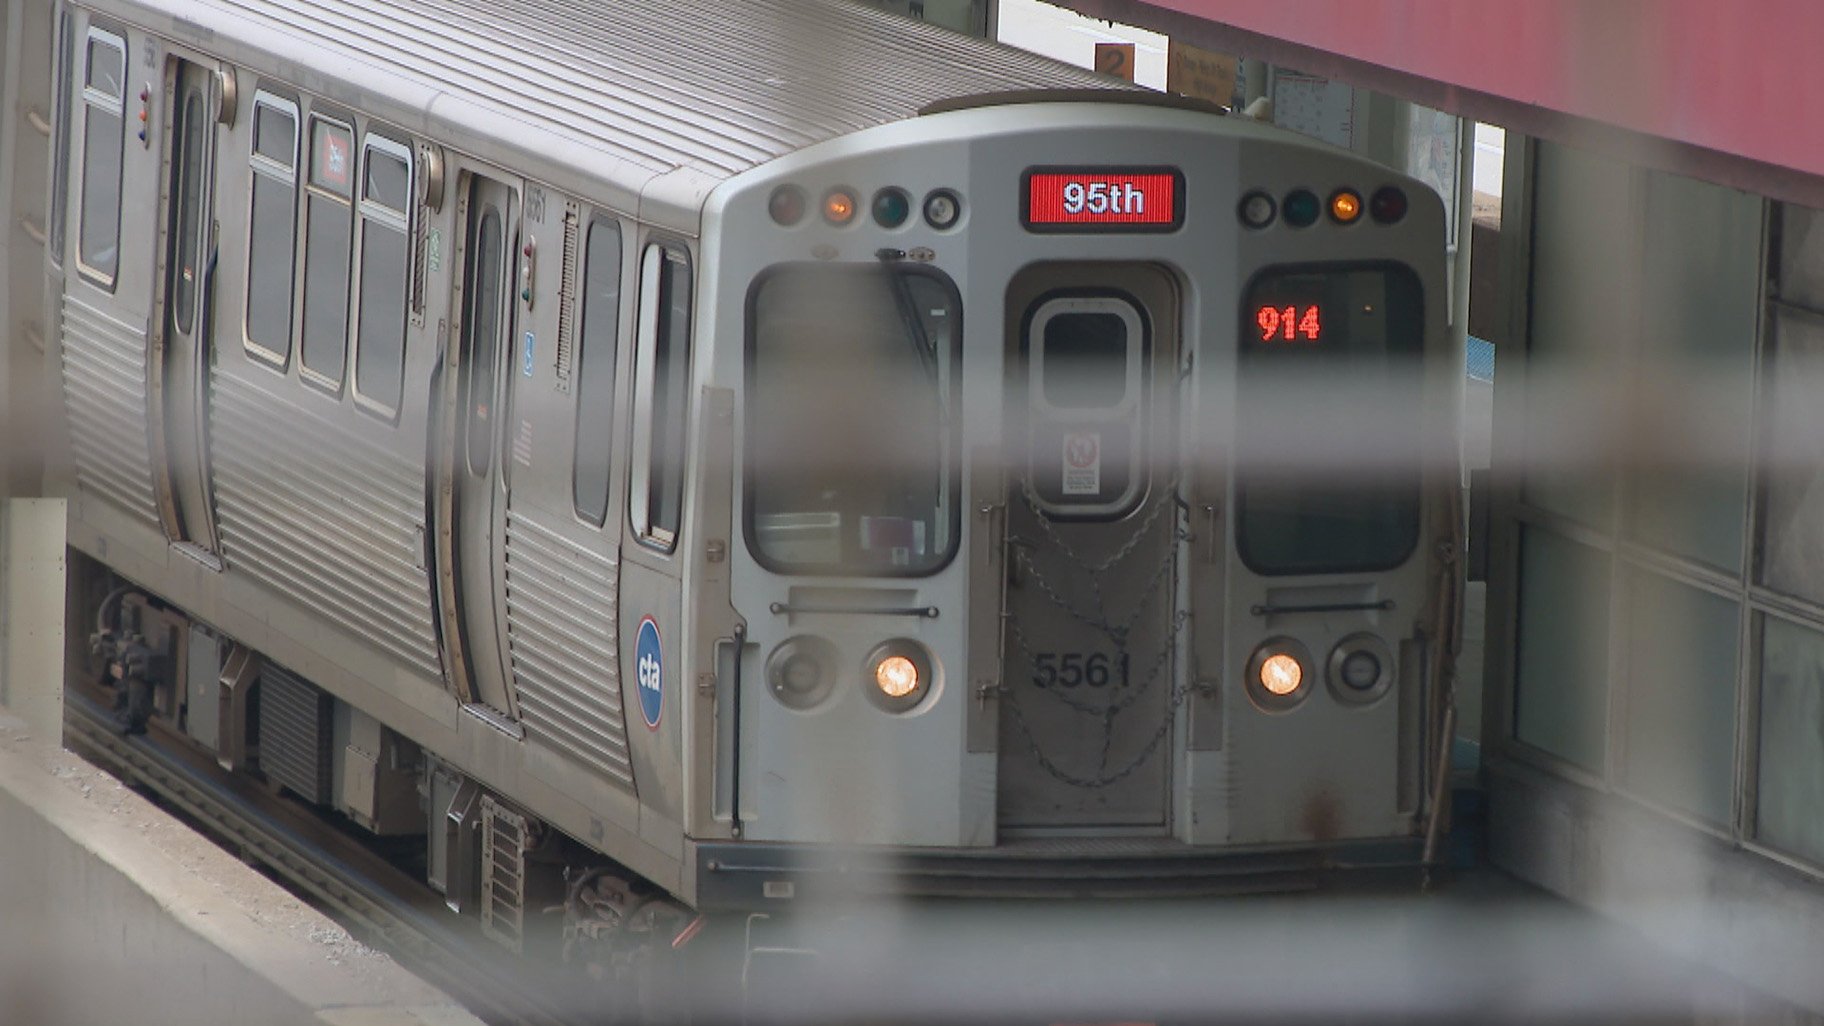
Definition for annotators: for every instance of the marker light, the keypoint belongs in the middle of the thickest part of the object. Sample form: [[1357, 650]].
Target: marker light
[[942, 208], [1257, 210], [1281, 675], [1345, 206], [1388, 204], [896, 676], [839, 206], [891, 207], [1301, 208], [786, 205]]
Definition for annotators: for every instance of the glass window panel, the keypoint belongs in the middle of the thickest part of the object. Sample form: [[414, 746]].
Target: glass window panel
[[1802, 255], [272, 237], [380, 324], [106, 65], [388, 181], [1693, 391], [332, 157], [275, 134], [1791, 557], [98, 236], [1791, 767], [326, 255], [60, 152], [1085, 360], [595, 373], [670, 387], [481, 341], [1582, 310], [186, 274], [1680, 716], [1561, 687]]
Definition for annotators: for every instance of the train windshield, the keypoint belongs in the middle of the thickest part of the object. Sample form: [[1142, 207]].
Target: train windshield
[[1329, 419], [851, 419]]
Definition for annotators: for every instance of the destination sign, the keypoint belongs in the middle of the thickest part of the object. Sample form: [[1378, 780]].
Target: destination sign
[[1102, 199]]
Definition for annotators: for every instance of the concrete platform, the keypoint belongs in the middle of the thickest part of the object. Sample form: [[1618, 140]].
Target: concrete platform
[[113, 912]]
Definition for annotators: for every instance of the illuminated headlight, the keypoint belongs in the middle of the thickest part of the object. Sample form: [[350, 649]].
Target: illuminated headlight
[[1360, 669], [898, 675], [801, 672], [1279, 674]]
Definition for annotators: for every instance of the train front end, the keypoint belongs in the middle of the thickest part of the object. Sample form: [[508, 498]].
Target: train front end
[[1090, 507]]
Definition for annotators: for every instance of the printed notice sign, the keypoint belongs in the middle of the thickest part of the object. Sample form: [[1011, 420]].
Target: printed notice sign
[[1082, 462]]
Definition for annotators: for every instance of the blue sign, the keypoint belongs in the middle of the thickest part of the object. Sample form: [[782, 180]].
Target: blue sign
[[649, 672], [526, 363]]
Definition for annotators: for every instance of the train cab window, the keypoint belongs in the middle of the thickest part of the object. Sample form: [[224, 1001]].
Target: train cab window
[[661, 394], [595, 385], [384, 214], [328, 242], [104, 124], [272, 228], [852, 378], [1329, 420]]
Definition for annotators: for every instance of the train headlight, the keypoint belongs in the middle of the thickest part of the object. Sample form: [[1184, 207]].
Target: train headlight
[[1360, 669], [898, 674], [801, 672], [1279, 674]]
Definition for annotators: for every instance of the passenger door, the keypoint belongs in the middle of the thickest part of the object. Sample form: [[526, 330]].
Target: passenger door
[[181, 365], [471, 493], [1093, 542]]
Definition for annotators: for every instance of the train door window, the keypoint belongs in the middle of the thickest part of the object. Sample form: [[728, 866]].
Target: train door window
[[60, 150], [481, 339], [1086, 359], [104, 124], [272, 228], [661, 391], [595, 386], [189, 134], [328, 227], [384, 214]]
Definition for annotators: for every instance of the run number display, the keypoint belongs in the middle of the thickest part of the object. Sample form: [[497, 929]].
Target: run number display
[[1102, 199]]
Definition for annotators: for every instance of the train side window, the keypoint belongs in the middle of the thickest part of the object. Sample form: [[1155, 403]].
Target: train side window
[[481, 339], [385, 270], [104, 124], [661, 391], [328, 242], [595, 386], [187, 185], [60, 150], [272, 228]]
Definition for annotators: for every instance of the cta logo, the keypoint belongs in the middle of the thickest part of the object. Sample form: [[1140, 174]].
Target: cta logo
[[649, 672]]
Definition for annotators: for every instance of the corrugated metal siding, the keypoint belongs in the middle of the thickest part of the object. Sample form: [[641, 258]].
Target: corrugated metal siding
[[560, 631], [296, 733], [712, 85], [104, 392], [325, 516]]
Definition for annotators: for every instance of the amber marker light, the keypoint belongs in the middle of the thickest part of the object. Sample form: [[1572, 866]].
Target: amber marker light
[[896, 676], [1281, 675], [839, 206], [1345, 206]]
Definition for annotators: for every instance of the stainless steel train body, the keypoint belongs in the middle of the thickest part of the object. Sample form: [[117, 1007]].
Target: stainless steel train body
[[648, 421]]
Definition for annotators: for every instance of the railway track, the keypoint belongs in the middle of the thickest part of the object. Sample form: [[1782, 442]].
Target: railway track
[[375, 900]]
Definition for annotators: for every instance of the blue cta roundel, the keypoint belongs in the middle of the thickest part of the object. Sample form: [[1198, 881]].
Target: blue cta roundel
[[649, 672]]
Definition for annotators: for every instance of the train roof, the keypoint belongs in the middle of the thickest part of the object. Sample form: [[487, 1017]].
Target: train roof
[[709, 86]]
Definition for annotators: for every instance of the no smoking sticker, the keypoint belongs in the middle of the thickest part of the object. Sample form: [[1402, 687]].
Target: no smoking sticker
[[1082, 462]]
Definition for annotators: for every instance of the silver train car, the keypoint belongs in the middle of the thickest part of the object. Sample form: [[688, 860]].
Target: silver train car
[[676, 448]]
